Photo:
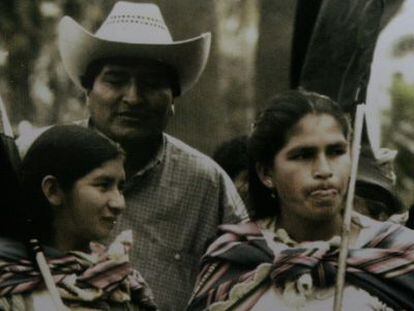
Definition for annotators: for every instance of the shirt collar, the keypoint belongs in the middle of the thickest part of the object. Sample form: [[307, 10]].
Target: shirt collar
[[157, 159]]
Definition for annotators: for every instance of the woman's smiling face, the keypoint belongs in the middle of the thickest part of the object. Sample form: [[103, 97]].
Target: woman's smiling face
[[310, 173], [92, 206]]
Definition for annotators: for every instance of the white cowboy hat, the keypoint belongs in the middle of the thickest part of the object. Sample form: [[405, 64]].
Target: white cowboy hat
[[132, 30]]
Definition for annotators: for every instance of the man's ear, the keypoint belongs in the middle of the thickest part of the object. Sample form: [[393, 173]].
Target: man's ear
[[265, 175], [52, 190]]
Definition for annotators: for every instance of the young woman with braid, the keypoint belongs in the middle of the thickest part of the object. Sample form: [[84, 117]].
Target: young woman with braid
[[72, 183]]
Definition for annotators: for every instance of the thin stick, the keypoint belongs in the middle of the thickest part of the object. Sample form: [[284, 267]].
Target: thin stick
[[47, 276], [346, 225], [5, 126], [6, 129]]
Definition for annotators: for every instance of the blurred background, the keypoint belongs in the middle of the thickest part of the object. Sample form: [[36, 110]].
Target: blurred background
[[249, 62]]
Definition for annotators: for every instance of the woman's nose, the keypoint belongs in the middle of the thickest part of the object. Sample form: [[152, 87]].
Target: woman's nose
[[322, 168], [117, 201]]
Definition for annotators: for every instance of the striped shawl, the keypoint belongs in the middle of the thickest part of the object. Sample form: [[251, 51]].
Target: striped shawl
[[383, 266], [96, 280]]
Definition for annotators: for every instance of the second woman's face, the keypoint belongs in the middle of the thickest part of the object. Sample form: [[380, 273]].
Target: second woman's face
[[310, 173], [92, 207]]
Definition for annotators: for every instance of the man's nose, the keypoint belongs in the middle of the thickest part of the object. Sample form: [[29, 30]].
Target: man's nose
[[322, 168], [132, 95]]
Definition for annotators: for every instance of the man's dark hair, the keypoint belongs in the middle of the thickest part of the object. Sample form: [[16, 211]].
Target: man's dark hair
[[95, 67]]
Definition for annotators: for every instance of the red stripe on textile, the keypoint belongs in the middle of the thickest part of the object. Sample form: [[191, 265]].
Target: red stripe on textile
[[101, 267], [225, 239], [103, 279], [389, 263]]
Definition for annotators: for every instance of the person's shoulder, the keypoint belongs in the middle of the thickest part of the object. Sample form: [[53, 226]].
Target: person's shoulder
[[11, 250], [389, 233], [191, 157], [234, 234], [365, 221], [179, 147], [244, 238]]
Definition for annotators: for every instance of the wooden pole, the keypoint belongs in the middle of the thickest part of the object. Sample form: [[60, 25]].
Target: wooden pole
[[5, 126], [6, 129], [47, 276], [346, 225]]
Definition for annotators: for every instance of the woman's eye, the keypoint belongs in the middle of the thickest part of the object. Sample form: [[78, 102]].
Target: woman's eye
[[338, 151], [302, 155], [104, 186]]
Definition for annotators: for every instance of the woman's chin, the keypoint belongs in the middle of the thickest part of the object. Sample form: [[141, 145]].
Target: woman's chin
[[324, 211]]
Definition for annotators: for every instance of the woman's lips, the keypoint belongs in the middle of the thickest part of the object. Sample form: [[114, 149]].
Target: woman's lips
[[110, 221], [330, 192]]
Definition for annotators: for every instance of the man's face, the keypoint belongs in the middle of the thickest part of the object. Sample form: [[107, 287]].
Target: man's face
[[131, 102]]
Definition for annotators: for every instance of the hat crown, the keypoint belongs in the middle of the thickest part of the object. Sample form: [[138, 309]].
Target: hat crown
[[135, 23]]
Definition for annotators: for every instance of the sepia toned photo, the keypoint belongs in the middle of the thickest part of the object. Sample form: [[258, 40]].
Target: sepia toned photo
[[207, 155]]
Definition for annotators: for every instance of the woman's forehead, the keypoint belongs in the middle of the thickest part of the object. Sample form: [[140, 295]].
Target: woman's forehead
[[111, 169], [314, 128]]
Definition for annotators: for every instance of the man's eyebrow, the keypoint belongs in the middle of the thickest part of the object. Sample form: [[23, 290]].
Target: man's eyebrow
[[113, 69], [109, 71]]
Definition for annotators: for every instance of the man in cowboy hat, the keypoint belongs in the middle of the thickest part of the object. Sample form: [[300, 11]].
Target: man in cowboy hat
[[131, 71]]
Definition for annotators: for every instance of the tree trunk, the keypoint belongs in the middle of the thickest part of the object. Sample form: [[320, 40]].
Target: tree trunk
[[274, 48]]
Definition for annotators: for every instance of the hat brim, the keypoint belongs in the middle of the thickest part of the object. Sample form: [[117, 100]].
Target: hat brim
[[78, 48], [372, 183]]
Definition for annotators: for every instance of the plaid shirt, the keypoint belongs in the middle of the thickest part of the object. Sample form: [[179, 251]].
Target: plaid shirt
[[174, 206]]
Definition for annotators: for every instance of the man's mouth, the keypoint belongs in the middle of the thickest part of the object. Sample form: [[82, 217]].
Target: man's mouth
[[133, 116]]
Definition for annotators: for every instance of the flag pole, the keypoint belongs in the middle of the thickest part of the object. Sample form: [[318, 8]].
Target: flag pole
[[346, 225]]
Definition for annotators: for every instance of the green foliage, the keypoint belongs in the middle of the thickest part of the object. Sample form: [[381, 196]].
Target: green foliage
[[400, 134]]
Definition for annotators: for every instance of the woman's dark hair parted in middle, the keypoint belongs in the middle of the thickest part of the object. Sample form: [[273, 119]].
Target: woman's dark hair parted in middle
[[67, 152], [270, 134]]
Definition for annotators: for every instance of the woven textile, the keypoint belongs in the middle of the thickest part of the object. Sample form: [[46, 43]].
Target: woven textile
[[98, 280], [239, 267]]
